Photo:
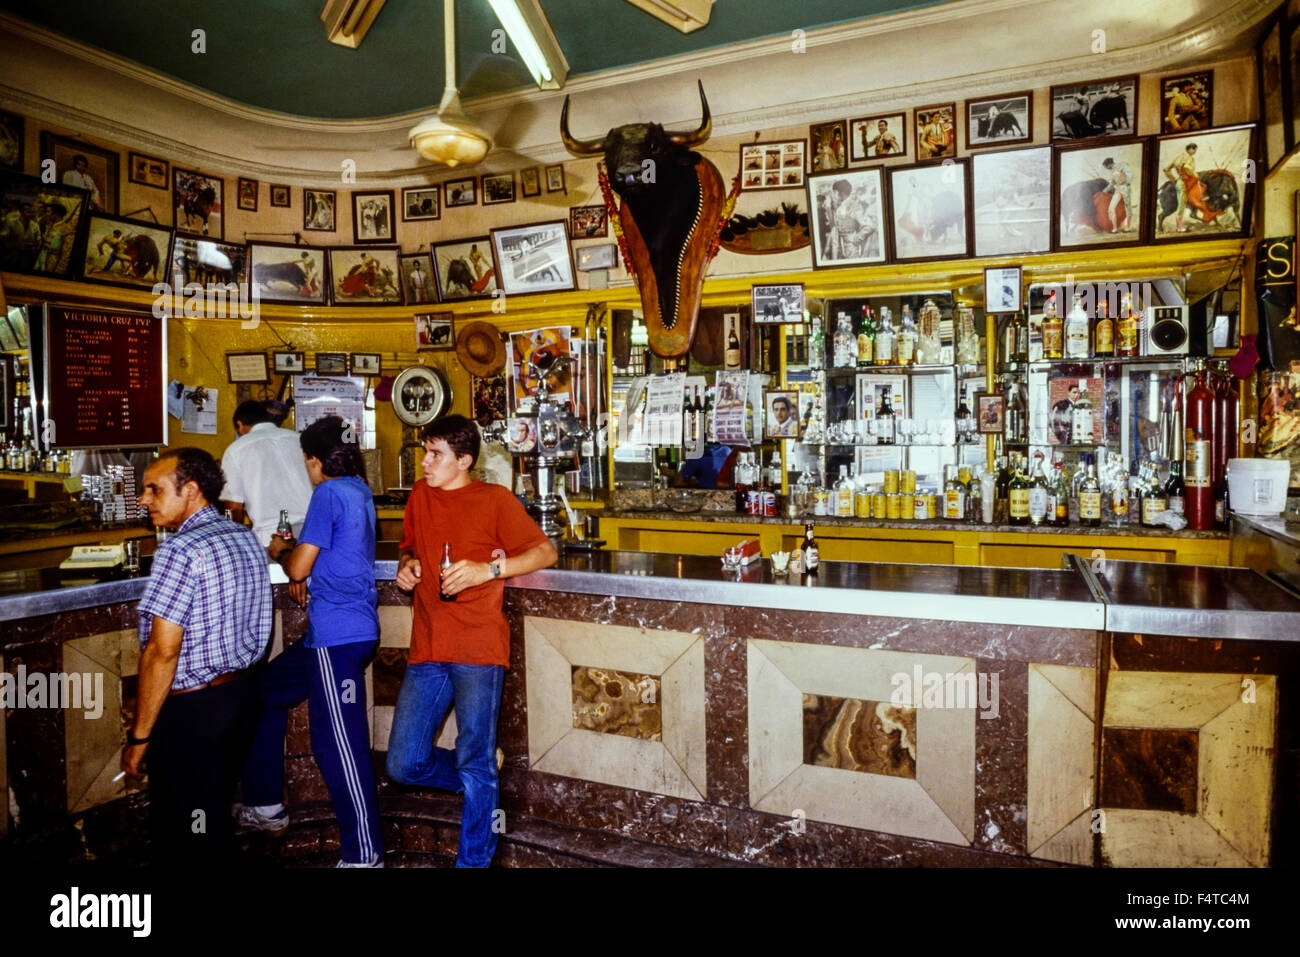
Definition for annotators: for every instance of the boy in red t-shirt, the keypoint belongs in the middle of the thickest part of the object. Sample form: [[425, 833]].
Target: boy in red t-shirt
[[460, 641]]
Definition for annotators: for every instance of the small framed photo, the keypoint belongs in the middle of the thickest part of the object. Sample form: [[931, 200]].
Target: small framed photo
[[288, 363], [829, 146], [990, 412], [1273, 93], [777, 304], [555, 178], [82, 166], [1011, 199], [417, 278], [280, 195], [1002, 286], [461, 192], [847, 217], [364, 276], [521, 434], [420, 202], [318, 210], [1100, 198], [874, 136], [533, 258], [464, 269], [530, 181], [936, 131], [603, 256], [1199, 189], [372, 216], [365, 363], [498, 188], [781, 418], [126, 252], [1187, 102], [247, 367], [1000, 120], [282, 272], [11, 142], [198, 202], [331, 363], [247, 198], [772, 165], [1081, 111], [588, 222], [148, 170], [929, 210], [433, 332]]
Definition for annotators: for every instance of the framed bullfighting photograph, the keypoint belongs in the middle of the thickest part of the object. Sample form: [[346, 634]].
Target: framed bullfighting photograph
[[364, 276], [847, 217], [124, 252], [555, 179], [147, 170], [288, 363], [772, 165], [1081, 111], [929, 205], [1198, 187], [318, 210], [11, 141], [331, 363], [372, 216], [247, 195], [82, 166], [1000, 120], [280, 195], [461, 192], [197, 202], [206, 262], [873, 136], [42, 225], [1100, 198], [1187, 102], [417, 278], [420, 202], [1002, 285], [282, 272], [589, 222], [433, 332], [936, 131], [365, 363], [530, 181], [776, 304], [463, 269], [830, 149], [533, 258], [1011, 200], [781, 418], [498, 188]]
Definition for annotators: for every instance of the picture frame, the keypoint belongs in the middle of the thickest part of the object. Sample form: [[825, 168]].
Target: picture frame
[[281, 195], [372, 216], [857, 198], [418, 286], [11, 141], [319, 210], [288, 363], [198, 203], [488, 401], [591, 258], [364, 275], [1011, 201], [126, 252], [60, 218], [775, 424], [246, 194], [535, 257], [589, 222], [1081, 111], [930, 210], [772, 305], [250, 367], [1291, 79], [868, 141], [828, 144], [1272, 94], [98, 176], [773, 165], [331, 363], [498, 188], [208, 263], [148, 170], [365, 364], [990, 413], [1081, 181], [464, 269], [1003, 287], [434, 332], [461, 192], [555, 179], [530, 181], [935, 130], [1000, 120], [1217, 204], [1187, 102], [421, 203], [285, 273]]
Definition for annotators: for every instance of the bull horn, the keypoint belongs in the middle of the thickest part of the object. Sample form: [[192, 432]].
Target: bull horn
[[576, 146], [701, 134]]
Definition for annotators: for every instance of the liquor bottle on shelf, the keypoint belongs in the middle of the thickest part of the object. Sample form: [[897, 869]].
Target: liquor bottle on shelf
[[954, 496], [1152, 500], [1198, 438], [866, 337], [816, 345], [1002, 492], [885, 340], [811, 558], [1127, 344], [965, 422], [1009, 341], [1082, 417], [1017, 423], [885, 420], [1090, 498], [688, 421], [1175, 491], [1038, 492], [907, 338], [731, 357], [974, 501], [1058, 497], [1018, 497], [1077, 336], [1053, 330], [845, 345], [1103, 332], [844, 494]]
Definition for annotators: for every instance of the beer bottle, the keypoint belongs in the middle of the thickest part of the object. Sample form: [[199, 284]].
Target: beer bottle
[[284, 529], [443, 566]]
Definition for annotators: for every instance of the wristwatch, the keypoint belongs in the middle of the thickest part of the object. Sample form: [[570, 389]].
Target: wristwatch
[[495, 569]]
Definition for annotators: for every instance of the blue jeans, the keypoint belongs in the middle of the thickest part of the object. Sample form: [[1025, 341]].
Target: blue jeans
[[428, 690]]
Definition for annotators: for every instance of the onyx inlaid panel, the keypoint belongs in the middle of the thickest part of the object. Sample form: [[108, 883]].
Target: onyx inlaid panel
[[1149, 769], [386, 673], [874, 737], [617, 702]]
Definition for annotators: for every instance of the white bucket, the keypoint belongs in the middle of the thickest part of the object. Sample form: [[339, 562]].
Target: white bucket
[[1258, 486]]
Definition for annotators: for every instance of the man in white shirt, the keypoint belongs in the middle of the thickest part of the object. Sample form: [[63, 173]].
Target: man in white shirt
[[265, 472], [79, 176]]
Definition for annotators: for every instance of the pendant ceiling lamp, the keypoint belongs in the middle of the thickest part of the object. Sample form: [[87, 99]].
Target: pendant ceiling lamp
[[450, 138]]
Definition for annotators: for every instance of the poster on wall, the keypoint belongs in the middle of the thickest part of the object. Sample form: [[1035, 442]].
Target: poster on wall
[[535, 350], [318, 396], [729, 412], [199, 413]]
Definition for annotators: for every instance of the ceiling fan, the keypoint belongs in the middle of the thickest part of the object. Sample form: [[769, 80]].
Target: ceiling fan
[[450, 137]]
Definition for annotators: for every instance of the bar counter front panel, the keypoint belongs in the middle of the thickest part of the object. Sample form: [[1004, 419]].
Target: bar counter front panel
[[875, 714]]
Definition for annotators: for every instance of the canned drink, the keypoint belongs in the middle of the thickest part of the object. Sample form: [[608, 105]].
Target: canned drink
[[753, 504], [879, 505], [891, 481], [862, 504], [821, 502], [920, 506], [907, 482], [769, 504], [894, 506]]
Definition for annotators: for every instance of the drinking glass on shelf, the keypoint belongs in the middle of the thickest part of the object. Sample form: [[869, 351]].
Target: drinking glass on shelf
[[932, 431]]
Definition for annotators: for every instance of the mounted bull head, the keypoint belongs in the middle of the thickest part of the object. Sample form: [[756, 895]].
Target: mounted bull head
[[672, 201]]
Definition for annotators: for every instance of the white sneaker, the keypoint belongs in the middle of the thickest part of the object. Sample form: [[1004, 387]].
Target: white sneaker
[[375, 861], [255, 819]]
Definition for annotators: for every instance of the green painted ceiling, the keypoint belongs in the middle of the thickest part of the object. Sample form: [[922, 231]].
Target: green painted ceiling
[[273, 54]]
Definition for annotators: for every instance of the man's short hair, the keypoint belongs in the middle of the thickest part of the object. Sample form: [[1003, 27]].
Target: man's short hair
[[250, 413], [324, 440], [460, 434], [781, 400], [197, 466]]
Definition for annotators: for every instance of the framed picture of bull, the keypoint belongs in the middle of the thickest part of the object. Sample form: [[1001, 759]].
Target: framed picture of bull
[[208, 263], [280, 195], [776, 304], [433, 332], [533, 258], [463, 269], [1001, 120], [1081, 111], [848, 217], [197, 203], [82, 166], [772, 165], [288, 363], [364, 275], [1197, 187], [1011, 201], [1100, 195], [281, 272], [124, 252], [461, 192], [420, 202], [43, 225], [930, 210], [498, 188]]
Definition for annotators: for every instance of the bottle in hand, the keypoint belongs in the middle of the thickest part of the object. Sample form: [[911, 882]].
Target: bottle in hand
[[284, 529], [442, 570]]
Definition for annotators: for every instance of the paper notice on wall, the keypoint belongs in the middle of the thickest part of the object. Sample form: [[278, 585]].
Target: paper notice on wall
[[175, 399], [318, 396], [199, 410], [663, 414], [729, 409]]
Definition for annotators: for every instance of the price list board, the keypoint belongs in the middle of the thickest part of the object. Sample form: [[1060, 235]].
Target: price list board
[[104, 378]]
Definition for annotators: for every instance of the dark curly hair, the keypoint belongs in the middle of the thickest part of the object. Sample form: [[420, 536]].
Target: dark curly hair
[[460, 434], [197, 466], [324, 440]]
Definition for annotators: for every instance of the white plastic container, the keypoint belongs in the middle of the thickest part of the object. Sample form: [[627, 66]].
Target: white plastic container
[[1258, 486]]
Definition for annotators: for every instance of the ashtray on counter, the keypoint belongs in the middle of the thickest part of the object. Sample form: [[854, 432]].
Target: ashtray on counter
[[683, 500]]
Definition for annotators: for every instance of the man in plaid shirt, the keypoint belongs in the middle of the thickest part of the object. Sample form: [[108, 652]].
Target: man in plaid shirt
[[205, 619]]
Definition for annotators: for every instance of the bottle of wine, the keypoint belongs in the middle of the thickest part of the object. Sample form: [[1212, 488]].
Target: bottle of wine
[[442, 570], [1175, 491], [1103, 333], [1038, 492], [1002, 492], [974, 501], [1090, 498], [731, 357], [866, 337], [811, 558], [1053, 332], [1018, 497], [885, 420], [907, 338], [1153, 501], [1059, 497], [965, 421]]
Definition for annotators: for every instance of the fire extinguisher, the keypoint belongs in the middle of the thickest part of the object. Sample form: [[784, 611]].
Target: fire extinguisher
[[1226, 408], [1198, 446]]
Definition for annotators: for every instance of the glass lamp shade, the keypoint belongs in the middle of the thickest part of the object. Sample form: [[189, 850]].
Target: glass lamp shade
[[450, 138]]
